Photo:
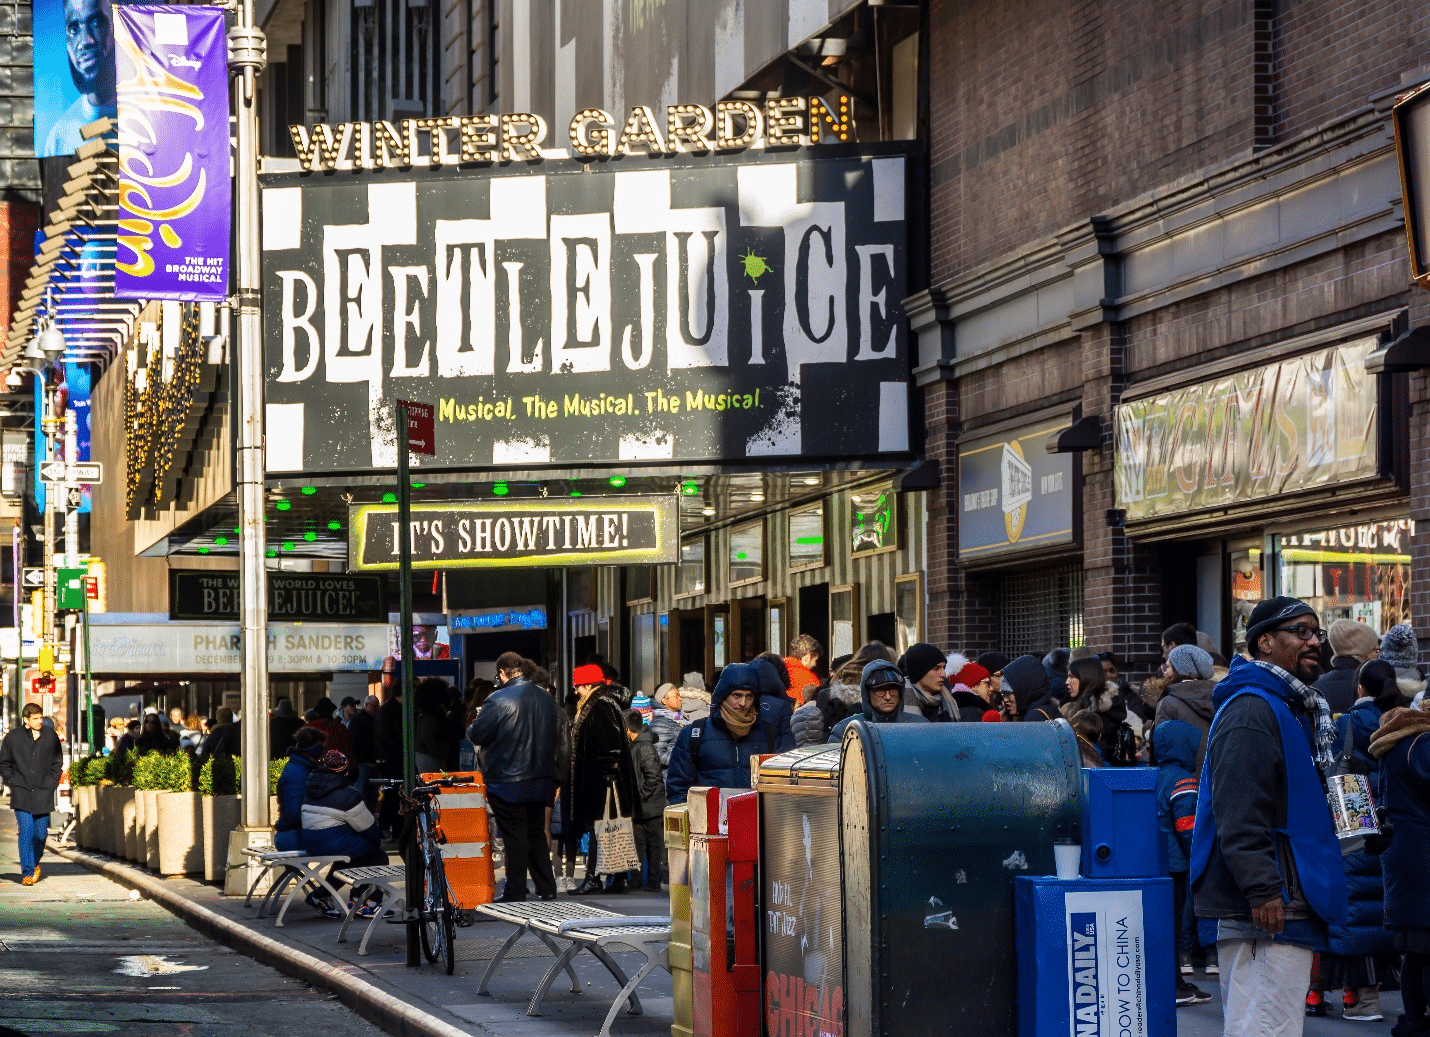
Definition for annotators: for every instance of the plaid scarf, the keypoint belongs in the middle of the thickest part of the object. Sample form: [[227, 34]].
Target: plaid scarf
[[1316, 707]]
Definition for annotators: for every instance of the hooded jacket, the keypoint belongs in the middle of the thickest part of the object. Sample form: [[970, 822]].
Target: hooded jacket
[[722, 760], [1032, 694], [1174, 745], [900, 715], [293, 784], [32, 768], [1263, 828], [1191, 703], [335, 819]]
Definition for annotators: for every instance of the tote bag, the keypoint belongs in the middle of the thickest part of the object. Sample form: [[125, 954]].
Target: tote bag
[[615, 840]]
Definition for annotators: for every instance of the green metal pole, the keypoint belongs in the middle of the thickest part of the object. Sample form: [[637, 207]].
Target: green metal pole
[[88, 681], [409, 715]]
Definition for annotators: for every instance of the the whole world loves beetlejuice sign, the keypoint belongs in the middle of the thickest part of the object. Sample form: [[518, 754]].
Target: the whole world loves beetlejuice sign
[[723, 308]]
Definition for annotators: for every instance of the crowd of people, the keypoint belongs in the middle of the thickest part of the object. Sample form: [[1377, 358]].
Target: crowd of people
[[1267, 895]]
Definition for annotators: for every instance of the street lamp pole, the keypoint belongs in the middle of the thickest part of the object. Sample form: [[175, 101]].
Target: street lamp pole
[[247, 51]]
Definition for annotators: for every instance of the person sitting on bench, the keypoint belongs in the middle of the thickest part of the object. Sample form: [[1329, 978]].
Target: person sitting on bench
[[335, 818]]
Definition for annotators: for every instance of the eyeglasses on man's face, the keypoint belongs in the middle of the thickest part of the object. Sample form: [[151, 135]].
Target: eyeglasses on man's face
[[1304, 632]]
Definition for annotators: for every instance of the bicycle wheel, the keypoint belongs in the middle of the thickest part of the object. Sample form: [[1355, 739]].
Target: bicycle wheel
[[438, 928]]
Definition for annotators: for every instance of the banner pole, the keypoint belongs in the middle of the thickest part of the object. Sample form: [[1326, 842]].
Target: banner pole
[[247, 57], [409, 707]]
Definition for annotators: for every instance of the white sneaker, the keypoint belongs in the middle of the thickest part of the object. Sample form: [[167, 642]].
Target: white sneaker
[[563, 884]]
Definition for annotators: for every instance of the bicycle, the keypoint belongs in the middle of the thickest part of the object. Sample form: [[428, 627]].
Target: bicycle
[[436, 912]]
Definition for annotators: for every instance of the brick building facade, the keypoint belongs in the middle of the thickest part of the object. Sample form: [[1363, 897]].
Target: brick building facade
[[1129, 200]]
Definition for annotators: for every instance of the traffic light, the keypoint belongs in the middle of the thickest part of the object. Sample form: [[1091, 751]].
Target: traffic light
[[46, 663]]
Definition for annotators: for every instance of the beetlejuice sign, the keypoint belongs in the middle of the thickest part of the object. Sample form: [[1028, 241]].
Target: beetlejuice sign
[[721, 308]]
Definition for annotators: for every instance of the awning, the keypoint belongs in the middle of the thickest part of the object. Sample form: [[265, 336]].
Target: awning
[[72, 279]]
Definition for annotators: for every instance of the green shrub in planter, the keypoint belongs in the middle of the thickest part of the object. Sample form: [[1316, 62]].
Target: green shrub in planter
[[220, 775], [119, 767], [275, 768], [87, 771], [147, 770], [176, 773]]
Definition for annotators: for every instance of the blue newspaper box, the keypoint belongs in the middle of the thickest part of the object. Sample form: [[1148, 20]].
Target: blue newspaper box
[[1095, 957], [1120, 835]]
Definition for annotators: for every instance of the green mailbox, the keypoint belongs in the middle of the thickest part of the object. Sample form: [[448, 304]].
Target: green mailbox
[[937, 820]]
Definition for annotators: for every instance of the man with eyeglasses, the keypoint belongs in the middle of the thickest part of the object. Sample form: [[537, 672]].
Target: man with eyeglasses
[[89, 45], [1266, 864]]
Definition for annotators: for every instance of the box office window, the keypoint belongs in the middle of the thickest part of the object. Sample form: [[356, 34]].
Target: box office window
[[843, 621], [909, 610], [1359, 572], [643, 652], [640, 584], [690, 575], [806, 538], [1041, 609], [747, 554]]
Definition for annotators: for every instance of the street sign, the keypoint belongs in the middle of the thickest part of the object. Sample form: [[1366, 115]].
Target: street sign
[[83, 471], [91, 588], [70, 588], [74, 498], [421, 428], [33, 579]]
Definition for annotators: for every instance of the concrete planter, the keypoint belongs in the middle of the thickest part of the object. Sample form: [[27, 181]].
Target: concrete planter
[[221, 816], [102, 828], [181, 837], [149, 850], [82, 799], [129, 822], [139, 805], [272, 811]]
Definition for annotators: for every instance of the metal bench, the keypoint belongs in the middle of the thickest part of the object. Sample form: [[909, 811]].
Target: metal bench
[[583, 928], [296, 868], [390, 879]]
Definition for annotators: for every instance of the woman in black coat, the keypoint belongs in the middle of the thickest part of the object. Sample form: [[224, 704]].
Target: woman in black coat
[[600, 759]]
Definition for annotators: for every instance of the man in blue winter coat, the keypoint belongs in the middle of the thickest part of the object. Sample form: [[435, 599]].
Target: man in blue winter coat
[[1266, 864], [882, 687], [715, 752]]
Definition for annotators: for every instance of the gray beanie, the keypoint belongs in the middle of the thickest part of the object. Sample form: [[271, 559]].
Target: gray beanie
[[1400, 648], [693, 680], [1191, 661]]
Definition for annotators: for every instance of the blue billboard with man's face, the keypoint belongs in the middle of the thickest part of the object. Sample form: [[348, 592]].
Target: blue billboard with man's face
[[74, 71]]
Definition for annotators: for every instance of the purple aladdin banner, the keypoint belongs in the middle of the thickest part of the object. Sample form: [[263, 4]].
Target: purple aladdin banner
[[174, 189]]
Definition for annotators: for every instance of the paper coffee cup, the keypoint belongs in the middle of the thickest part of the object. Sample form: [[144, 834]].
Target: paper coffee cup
[[1068, 858]]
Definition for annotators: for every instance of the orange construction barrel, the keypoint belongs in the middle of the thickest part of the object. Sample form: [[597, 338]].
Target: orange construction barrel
[[467, 853]]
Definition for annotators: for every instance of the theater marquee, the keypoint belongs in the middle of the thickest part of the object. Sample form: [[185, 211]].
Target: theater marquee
[[504, 534], [675, 308]]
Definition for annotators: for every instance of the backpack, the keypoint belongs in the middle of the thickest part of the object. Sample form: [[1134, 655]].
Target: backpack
[[1124, 747]]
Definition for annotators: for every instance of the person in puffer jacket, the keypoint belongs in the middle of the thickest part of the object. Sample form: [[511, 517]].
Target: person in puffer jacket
[[1174, 749], [882, 684], [309, 746], [335, 819], [807, 724], [715, 752]]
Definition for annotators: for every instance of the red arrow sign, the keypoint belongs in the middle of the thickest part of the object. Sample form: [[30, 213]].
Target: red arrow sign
[[421, 428]]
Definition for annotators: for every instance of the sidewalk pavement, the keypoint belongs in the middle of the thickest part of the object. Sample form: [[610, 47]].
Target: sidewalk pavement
[[423, 1001]]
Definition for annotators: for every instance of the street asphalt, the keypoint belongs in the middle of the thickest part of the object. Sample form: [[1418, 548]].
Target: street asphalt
[[79, 956]]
